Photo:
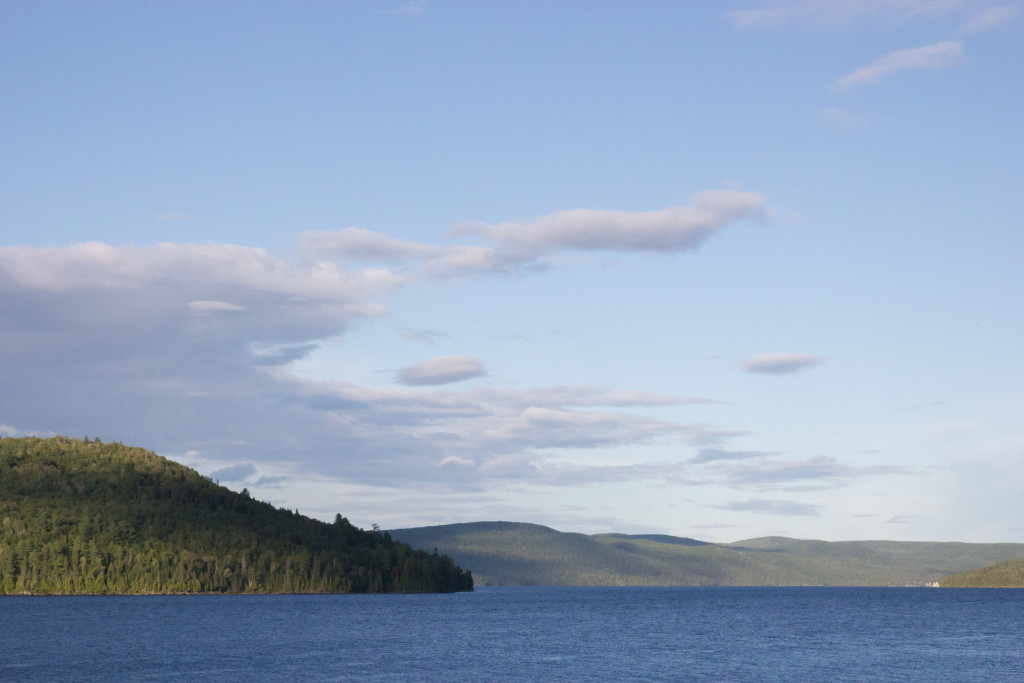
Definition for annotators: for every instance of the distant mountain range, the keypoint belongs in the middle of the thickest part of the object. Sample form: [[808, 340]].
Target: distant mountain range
[[516, 554]]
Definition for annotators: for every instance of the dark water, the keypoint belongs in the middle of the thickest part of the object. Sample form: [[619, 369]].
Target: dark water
[[542, 634]]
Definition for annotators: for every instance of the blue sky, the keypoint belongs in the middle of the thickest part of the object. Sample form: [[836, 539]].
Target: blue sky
[[719, 270]]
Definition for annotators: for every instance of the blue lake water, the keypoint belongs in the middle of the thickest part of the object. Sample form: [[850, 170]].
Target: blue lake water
[[542, 634]]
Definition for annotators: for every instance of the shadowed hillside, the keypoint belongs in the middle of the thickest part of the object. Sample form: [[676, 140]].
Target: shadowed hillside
[[506, 553], [88, 517]]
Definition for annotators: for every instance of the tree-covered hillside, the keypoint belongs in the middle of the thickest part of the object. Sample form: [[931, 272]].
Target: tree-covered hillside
[[1008, 574], [89, 517]]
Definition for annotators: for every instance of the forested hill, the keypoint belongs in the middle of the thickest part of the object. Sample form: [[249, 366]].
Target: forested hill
[[1009, 574], [89, 517]]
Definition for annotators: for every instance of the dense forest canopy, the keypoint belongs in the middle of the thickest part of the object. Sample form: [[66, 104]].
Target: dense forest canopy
[[85, 517]]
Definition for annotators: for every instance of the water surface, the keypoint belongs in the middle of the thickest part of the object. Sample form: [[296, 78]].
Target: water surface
[[550, 634]]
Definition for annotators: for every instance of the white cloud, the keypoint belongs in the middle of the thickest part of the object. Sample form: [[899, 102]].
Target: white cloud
[[674, 229], [521, 245], [780, 363], [194, 272], [152, 341], [12, 431], [441, 370], [452, 460], [934, 56], [461, 260]]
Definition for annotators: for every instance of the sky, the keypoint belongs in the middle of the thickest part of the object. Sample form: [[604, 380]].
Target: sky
[[711, 269]]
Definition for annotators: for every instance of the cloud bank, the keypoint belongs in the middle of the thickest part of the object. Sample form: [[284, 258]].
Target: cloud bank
[[187, 348]]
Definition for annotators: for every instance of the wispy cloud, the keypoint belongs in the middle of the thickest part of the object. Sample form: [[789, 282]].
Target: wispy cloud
[[357, 244], [993, 17], [351, 245], [785, 508], [716, 454], [534, 469], [507, 433], [780, 363], [819, 471], [425, 336], [441, 370], [201, 307], [935, 56], [838, 13], [281, 354]]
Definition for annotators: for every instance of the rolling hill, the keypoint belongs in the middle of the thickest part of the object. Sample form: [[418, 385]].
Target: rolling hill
[[514, 554]]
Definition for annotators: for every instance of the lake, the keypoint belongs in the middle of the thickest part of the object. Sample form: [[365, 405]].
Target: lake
[[543, 634]]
